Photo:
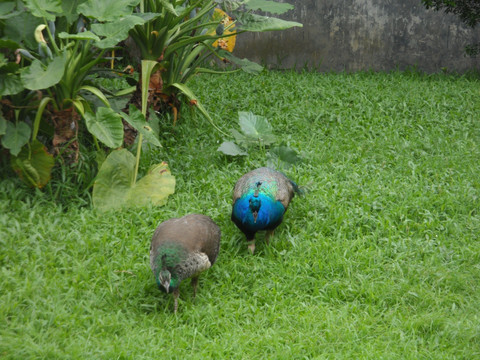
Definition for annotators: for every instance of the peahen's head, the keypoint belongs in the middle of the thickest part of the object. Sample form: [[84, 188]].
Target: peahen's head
[[164, 278], [254, 205]]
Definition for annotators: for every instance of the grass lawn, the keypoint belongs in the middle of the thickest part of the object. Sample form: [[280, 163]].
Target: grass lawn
[[380, 260]]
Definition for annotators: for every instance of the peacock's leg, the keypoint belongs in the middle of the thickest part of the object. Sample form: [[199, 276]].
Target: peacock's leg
[[251, 246], [176, 293], [194, 283], [269, 235]]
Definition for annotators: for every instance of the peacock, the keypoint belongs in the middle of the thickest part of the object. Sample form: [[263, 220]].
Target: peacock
[[260, 198], [182, 248]]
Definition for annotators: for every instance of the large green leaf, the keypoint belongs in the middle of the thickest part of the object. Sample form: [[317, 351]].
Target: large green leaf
[[107, 10], [256, 127], [16, 136], [154, 187], [6, 8], [137, 120], [70, 9], [10, 84], [86, 35], [36, 77], [232, 149], [44, 8], [34, 164], [106, 125], [9, 44], [113, 187], [114, 180], [268, 6], [21, 28], [259, 23], [114, 32]]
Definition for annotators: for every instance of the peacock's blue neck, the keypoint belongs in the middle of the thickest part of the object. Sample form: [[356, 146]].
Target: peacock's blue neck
[[270, 211]]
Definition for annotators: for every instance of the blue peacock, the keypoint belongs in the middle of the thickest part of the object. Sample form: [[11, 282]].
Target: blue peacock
[[182, 248], [260, 199]]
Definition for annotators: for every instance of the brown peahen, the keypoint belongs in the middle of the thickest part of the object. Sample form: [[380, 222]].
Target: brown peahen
[[260, 199], [182, 248]]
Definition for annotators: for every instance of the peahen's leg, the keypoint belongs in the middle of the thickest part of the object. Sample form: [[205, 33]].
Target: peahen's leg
[[194, 283], [176, 293]]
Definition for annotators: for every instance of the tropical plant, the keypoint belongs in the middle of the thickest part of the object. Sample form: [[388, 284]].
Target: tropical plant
[[116, 184], [186, 33], [48, 70], [256, 134]]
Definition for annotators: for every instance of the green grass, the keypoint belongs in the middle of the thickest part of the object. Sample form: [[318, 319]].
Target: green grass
[[380, 260]]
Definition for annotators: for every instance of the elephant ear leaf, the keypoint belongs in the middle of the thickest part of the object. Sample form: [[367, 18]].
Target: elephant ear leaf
[[16, 136], [106, 125], [268, 6], [138, 122], [34, 164], [232, 149], [115, 188], [38, 77]]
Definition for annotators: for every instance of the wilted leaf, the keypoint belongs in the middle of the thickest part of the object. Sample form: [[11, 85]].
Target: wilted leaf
[[230, 148], [268, 6], [137, 120], [256, 127], [34, 164], [107, 10], [258, 23], [44, 8], [113, 187], [154, 187], [106, 125], [16, 136], [226, 27], [36, 77]]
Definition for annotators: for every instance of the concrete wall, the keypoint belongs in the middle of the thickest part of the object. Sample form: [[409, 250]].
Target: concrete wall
[[354, 35]]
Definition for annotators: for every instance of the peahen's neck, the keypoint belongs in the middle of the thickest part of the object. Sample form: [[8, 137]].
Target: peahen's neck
[[179, 263], [195, 263]]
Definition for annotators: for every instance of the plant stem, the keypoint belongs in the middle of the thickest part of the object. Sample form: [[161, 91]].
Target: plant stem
[[139, 150]]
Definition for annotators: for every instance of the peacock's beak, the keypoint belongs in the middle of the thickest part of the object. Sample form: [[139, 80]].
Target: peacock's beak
[[255, 215]]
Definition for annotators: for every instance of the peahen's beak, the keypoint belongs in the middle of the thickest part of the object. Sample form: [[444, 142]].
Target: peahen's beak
[[255, 215], [166, 285]]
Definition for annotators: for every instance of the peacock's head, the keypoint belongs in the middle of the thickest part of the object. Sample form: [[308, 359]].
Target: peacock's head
[[254, 205]]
